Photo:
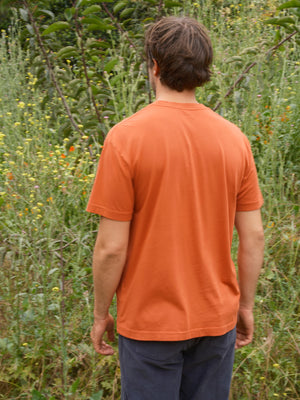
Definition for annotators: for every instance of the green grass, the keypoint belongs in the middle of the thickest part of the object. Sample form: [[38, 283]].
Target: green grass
[[47, 238]]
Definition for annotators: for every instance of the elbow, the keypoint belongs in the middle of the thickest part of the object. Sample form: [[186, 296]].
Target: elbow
[[260, 238], [110, 252], [254, 241]]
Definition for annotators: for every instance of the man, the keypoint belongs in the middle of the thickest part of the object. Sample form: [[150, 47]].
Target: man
[[172, 181]]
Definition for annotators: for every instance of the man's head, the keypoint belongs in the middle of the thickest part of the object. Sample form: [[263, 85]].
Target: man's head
[[182, 50]]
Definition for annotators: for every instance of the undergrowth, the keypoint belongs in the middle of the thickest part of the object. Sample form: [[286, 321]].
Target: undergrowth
[[47, 238]]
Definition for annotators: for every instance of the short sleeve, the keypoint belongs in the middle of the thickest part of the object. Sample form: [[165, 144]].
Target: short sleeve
[[249, 197], [112, 193]]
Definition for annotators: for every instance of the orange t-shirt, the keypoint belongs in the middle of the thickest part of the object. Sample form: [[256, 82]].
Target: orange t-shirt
[[178, 172]]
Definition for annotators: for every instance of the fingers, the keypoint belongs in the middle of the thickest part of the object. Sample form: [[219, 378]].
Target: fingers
[[244, 328], [242, 340], [104, 349], [241, 343], [100, 346], [98, 330]]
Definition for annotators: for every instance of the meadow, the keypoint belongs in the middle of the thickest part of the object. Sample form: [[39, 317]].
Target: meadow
[[47, 237]]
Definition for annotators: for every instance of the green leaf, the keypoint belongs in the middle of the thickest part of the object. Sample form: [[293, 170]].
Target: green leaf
[[149, 19], [125, 13], [47, 12], [90, 2], [75, 82], [97, 396], [96, 24], [289, 4], [68, 51], [90, 73], [53, 307], [278, 36], [170, 4], [3, 343], [52, 271], [250, 50], [280, 21], [233, 59], [99, 27], [296, 11], [92, 9], [23, 14], [37, 395], [69, 13], [138, 104], [41, 11], [118, 7], [57, 26], [75, 386], [111, 64], [117, 78], [92, 43], [95, 90], [30, 29]]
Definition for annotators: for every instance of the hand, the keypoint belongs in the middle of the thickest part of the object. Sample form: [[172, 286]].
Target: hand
[[244, 328], [99, 328]]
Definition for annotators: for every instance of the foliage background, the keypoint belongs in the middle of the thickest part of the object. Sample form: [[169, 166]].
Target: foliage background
[[68, 72]]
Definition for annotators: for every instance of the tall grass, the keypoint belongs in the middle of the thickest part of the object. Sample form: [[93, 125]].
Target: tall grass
[[46, 242], [47, 238]]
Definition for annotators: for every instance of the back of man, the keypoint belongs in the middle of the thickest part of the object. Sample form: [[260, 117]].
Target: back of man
[[173, 178], [178, 171]]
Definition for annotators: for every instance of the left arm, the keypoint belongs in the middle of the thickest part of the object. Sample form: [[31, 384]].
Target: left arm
[[108, 263]]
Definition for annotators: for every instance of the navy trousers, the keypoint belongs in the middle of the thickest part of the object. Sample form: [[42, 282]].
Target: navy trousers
[[195, 369]]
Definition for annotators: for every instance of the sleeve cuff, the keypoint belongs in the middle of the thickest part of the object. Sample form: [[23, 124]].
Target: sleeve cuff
[[111, 214]]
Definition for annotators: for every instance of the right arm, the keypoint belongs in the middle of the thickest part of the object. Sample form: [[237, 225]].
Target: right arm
[[108, 262], [250, 260]]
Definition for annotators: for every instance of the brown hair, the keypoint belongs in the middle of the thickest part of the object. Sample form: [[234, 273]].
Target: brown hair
[[182, 50]]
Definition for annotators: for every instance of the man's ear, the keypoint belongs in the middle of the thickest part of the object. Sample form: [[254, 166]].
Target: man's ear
[[156, 69]]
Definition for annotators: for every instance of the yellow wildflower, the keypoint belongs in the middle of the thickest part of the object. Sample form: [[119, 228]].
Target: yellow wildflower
[[21, 104]]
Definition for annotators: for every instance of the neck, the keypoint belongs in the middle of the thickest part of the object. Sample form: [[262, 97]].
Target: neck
[[166, 94]]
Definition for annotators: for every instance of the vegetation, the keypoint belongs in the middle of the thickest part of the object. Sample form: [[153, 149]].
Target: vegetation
[[71, 70]]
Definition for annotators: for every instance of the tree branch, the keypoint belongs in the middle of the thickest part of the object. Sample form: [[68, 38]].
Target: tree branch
[[160, 5], [243, 74], [51, 72], [113, 18], [88, 82]]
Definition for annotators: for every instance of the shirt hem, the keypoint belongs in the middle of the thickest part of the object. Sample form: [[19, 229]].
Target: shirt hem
[[175, 336]]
